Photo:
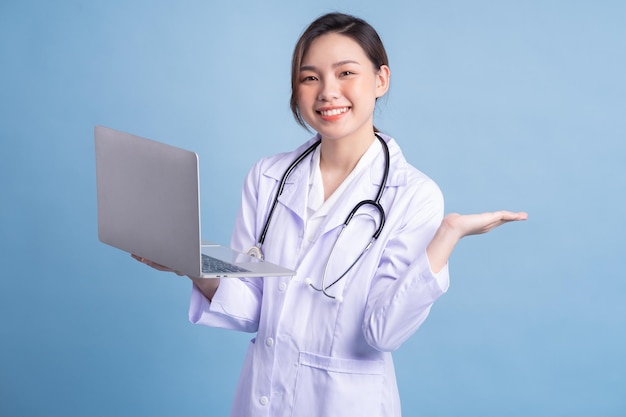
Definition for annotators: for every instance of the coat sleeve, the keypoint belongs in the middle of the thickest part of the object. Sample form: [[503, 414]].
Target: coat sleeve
[[237, 302], [405, 287]]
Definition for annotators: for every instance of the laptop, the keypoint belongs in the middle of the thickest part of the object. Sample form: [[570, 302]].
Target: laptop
[[149, 205]]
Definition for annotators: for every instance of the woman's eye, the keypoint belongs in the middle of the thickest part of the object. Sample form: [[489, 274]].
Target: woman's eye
[[308, 78], [346, 73]]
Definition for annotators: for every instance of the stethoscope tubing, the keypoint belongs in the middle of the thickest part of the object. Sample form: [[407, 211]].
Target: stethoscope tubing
[[281, 186], [257, 251]]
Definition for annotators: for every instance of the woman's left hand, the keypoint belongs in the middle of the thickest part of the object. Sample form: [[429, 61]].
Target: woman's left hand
[[456, 226], [474, 224]]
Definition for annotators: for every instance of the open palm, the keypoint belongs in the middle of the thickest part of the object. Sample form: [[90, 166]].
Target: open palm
[[475, 224]]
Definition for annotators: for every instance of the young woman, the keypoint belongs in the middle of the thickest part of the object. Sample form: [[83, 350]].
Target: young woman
[[324, 337]]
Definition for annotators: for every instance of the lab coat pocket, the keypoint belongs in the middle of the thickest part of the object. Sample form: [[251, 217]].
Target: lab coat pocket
[[338, 387]]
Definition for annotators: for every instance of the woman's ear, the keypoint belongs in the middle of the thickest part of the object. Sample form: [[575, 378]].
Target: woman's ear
[[382, 80]]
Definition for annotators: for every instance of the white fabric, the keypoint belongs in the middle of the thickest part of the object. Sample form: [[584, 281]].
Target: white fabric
[[317, 208], [311, 355]]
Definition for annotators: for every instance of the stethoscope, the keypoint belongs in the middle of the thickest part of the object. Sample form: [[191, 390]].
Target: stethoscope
[[256, 249]]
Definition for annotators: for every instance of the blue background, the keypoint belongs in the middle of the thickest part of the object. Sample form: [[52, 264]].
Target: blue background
[[506, 104]]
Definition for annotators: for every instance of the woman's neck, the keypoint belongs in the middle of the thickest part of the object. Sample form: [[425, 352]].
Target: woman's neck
[[339, 157]]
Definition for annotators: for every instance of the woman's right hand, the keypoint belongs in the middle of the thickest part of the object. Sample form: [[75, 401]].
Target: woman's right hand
[[208, 287], [155, 265]]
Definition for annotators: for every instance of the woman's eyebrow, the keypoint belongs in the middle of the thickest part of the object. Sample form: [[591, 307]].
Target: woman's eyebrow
[[335, 65]]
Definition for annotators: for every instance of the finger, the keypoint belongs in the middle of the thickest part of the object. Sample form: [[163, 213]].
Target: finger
[[155, 265], [514, 216]]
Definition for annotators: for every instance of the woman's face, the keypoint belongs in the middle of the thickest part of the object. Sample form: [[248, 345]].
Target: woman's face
[[338, 87]]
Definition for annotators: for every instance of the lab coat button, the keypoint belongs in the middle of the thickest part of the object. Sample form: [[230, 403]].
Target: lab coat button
[[269, 342], [264, 400], [282, 286]]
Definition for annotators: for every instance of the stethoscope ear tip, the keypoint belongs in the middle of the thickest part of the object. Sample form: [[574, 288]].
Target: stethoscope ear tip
[[339, 299]]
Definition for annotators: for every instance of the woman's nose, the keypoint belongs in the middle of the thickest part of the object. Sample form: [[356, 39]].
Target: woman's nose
[[329, 90]]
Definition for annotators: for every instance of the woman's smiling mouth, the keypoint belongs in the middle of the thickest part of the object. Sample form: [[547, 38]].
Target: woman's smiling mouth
[[332, 113]]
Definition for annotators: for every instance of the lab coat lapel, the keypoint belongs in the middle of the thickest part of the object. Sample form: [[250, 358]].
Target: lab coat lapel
[[296, 187]]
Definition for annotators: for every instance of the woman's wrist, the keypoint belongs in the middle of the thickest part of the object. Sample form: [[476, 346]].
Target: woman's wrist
[[207, 286], [441, 246]]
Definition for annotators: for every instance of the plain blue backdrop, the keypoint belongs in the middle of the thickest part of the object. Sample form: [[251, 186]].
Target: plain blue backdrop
[[506, 104]]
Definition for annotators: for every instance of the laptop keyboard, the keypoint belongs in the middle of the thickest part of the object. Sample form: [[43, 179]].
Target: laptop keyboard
[[213, 265]]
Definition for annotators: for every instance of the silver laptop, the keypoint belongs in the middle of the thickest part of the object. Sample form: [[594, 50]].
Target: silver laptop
[[149, 205]]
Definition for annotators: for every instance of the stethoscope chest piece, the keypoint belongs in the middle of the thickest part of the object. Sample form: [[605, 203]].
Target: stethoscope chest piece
[[255, 252]]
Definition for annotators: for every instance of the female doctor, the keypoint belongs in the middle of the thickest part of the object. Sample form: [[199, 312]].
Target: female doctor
[[324, 337]]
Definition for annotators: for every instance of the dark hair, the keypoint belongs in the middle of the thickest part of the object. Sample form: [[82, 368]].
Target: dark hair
[[353, 27]]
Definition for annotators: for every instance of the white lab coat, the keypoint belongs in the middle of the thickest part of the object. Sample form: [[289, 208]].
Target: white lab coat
[[313, 356]]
